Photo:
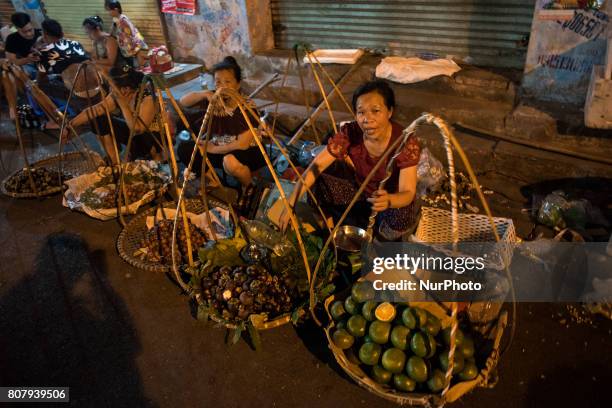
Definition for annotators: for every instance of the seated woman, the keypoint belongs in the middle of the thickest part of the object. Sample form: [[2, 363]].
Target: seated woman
[[105, 47], [232, 146], [146, 142], [360, 144]]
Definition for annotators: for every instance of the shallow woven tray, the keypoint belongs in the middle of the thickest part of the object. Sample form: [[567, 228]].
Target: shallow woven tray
[[130, 238], [74, 163]]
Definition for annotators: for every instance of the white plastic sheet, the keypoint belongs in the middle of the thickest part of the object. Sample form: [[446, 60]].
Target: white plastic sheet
[[79, 185], [220, 218], [414, 69]]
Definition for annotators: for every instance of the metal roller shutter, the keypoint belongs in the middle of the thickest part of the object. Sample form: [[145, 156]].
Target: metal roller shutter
[[71, 13], [489, 32]]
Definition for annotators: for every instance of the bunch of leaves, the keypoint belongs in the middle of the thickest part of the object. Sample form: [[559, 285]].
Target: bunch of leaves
[[293, 262], [220, 253]]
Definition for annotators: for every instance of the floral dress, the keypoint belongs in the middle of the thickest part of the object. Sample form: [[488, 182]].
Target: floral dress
[[129, 37], [336, 189]]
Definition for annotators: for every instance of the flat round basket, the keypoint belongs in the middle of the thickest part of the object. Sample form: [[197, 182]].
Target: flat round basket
[[131, 237], [73, 163]]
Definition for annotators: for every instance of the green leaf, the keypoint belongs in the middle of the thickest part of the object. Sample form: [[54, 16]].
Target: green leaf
[[295, 316], [203, 313], [222, 252], [326, 291], [254, 334], [237, 333]]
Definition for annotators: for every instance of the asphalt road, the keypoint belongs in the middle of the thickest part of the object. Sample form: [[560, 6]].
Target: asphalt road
[[72, 313]]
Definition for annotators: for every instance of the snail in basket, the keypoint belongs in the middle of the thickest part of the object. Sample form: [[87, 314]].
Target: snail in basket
[[236, 292], [44, 179], [158, 241], [402, 346]]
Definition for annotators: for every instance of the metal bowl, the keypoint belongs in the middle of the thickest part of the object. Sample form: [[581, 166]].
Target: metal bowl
[[350, 238]]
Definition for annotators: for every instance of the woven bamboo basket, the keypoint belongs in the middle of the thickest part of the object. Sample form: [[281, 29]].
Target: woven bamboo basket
[[217, 102], [73, 163], [486, 376], [435, 228], [452, 232], [130, 238]]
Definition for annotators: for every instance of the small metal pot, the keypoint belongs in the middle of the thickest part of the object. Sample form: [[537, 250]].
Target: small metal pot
[[349, 238]]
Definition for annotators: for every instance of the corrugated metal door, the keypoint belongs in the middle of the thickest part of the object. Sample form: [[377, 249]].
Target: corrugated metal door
[[71, 13], [489, 32], [6, 9]]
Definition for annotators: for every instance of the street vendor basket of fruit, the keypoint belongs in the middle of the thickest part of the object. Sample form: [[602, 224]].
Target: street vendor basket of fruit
[[257, 281], [259, 278], [400, 351], [424, 353]]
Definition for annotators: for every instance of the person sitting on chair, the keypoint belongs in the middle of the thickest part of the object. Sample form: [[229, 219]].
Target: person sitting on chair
[[146, 124], [361, 144], [232, 146]]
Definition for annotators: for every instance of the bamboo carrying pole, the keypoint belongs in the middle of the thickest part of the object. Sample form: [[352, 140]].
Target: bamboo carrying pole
[[450, 142], [174, 165], [235, 97], [183, 119], [8, 82], [322, 105]]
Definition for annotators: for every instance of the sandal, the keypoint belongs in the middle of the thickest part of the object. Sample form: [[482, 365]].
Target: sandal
[[244, 202]]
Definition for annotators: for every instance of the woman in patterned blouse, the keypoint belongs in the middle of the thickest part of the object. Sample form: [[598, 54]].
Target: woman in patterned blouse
[[131, 42], [360, 144]]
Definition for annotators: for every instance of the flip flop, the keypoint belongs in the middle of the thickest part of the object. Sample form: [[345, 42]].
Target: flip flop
[[246, 198]]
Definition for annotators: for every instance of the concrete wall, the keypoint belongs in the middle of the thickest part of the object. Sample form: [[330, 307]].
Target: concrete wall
[[563, 48], [220, 28], [32, 7]]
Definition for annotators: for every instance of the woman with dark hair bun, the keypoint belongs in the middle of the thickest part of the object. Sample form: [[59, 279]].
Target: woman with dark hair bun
[[361, 144], [105, 47], [232, 147], [146, 124]]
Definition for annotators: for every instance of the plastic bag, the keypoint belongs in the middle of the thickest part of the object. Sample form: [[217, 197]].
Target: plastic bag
[[557, 211], [414, 69], [262, 234], [430, 172], [551, 210]]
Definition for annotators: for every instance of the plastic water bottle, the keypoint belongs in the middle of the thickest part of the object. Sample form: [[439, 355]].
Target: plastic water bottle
[[282, 164], [203, 82]]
